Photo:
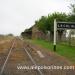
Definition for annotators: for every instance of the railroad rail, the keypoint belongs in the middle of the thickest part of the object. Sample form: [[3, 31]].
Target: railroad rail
[[2, 69], [25, 49]]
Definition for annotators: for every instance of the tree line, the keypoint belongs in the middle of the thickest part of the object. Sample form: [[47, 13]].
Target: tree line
[[46, 23]]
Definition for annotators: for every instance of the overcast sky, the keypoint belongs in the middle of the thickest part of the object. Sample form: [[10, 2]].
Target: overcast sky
[[17, 15]]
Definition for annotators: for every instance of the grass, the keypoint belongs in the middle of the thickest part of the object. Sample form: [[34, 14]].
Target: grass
[[64, 50]]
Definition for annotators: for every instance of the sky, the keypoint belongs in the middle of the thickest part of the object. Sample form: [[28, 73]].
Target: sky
[[18, 15]]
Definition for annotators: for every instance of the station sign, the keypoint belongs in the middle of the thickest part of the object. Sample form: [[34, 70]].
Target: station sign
[[66, 25], [61, 25]]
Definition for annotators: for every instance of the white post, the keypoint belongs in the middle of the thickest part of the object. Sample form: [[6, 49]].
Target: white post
[[55, 29]]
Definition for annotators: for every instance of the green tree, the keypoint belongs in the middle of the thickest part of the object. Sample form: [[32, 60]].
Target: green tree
[[42, 24], [47, 23], [58, 17], [71, 16]]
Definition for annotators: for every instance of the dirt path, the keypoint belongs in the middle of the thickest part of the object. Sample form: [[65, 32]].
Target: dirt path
[[52, 59]]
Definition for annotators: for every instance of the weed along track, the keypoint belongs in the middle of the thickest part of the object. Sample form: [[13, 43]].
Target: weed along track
[[23, 59]]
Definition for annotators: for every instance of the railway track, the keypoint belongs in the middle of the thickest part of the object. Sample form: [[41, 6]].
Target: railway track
[[7, 59], [18, 54], [21, 56]]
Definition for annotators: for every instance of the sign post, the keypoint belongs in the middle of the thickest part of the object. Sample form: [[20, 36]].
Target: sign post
[[55, 30], [59, 26]]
